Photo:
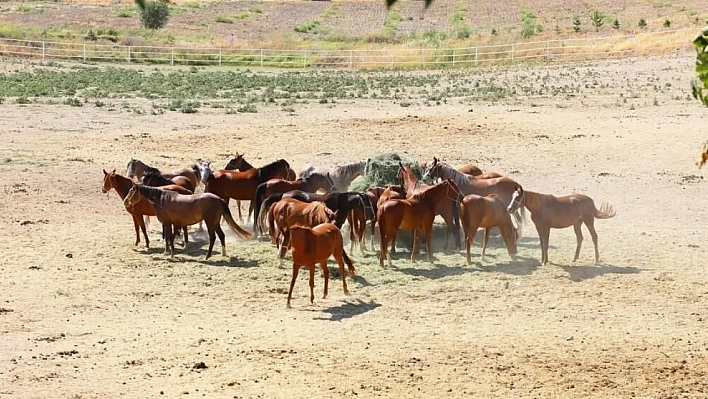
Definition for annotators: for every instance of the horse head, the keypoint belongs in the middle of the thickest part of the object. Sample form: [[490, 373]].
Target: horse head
[[205, 171], [107, 181], [130, 169], [517, 198], [131, 198]]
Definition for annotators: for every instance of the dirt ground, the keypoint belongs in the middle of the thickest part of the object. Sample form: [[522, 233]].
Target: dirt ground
[[85, 314]]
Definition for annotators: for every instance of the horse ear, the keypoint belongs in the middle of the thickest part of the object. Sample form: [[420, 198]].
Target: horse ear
[[104, 172]]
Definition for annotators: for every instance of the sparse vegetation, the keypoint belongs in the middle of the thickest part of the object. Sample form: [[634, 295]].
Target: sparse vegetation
[[224, 20], [393, 18], [576, 23], [311, 27], [529, 25], [598, 19], [667, 23], [615, 24], [642, 23], [154, 14]]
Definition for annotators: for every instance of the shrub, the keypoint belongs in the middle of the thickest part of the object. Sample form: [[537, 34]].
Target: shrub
[[91, 35], [247, 108], [576, 24], [616, 24], [125, 13], [155, 14], [224, 20], [642, 23], [598, 19], [74, 102], [529, 25], [22, 100], [667, 24]]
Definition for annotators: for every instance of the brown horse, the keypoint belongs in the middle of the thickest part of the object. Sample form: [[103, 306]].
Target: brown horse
[[357, 217], [289, 212], [473, 170], [137, 168], [416, 213], [487, 212], [310, 184], [122, 185], [550, 212], [447, 208], [153, 178], [503, 187], [239, 163], [312, 245], [172, 208], [228, 184]]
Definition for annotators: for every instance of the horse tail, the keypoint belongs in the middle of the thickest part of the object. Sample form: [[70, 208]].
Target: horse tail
[[350, 265], [226, 213], [456, 218], [260, 211], [606, 211], [258, 199]]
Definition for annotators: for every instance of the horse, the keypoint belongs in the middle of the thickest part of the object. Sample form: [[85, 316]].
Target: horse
[[474, 170], [136, 169], [312, 245], [227, 184], [503, 186], [288, 212], [238, 163], [342, 176], [487, 212], [342, 203], [551, 212], [446, 208], [153, 178], [311, 184], [122, 185], [415, 213], [172, 208]]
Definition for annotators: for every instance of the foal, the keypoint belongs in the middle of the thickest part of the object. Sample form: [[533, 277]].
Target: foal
[[487, 212], [550, 212], [312, 245]]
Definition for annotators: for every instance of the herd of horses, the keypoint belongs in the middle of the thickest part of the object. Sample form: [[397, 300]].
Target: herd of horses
[[304, 212]]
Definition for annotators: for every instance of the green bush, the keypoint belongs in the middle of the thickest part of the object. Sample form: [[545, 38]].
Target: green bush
[[155, 14], [529, 25]]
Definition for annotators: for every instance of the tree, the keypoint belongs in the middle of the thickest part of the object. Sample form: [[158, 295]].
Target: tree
[[154, 14], [699, 85]]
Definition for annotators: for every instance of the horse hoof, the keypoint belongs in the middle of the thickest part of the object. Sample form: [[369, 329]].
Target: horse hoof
[[288, 306]]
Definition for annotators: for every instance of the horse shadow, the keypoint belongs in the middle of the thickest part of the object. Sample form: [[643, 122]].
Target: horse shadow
[[229, 261], [521, 266], [348, 310], [334, 274], [437, 271], [582, 273]]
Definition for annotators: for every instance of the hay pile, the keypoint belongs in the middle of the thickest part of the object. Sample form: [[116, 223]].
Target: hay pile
[[382, 171]]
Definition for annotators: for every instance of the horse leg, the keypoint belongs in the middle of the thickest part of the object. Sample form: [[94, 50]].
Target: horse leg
[[383, 245], [212, 239], [373, 232], [590, 223], [166, 231], [544, 234], [578, 238], [238, 206], [296, 268], [414, 250], [312, 283], [508, 236], [325, 274], [485, 240], [284, 243], [352, 232], [250, 210], [186, 236], [222, 239], [136, 224], [469, 242]]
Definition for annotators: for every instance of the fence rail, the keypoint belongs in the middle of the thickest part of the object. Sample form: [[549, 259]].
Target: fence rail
[[550, 50]]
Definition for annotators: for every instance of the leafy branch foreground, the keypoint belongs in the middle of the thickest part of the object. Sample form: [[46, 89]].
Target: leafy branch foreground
[[699, 85]]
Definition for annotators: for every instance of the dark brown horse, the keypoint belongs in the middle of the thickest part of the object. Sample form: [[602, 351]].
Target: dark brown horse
[[447, 208], [122, 185], [487, 212], [228, 184], [137, 168], [310, 184], [416, 213], [239, 163], [313, 245], [153, 178], [289, 212], [550, 212], [184, 210]]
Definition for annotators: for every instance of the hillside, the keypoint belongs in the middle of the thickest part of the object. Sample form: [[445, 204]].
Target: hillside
[[343, 23]]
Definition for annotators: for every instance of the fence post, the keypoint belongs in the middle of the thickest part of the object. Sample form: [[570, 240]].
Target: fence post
[[172, 56], [475, 56], [84, 53], [454, 56], [548, 57], [43, 49], [261, 58], [351, 59], [129, 54], [304, 60], [219, 57]]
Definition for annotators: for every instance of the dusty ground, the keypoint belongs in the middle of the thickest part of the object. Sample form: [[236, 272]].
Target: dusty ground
[[84, 314]]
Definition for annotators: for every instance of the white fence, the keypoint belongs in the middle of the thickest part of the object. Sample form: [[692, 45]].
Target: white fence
[[561, 50]]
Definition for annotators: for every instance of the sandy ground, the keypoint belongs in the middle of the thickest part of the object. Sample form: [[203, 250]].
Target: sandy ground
[[84, 314]]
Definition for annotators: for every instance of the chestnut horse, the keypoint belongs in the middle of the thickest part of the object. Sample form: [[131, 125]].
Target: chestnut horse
[[503, 186], [447, 208], [172, 208], [309, 184], [228, 184], [487, 212], [288, 212], [137, 168], [550, 212], [239, 163], [416, 213], [312, 245], [122, 185]]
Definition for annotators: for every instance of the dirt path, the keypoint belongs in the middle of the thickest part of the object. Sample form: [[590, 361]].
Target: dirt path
[[84, 314]]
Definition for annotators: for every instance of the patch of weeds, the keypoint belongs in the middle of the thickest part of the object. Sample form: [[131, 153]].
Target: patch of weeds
[[23, 8], [174, 105], [99, 104], [190, 107], [22, 100], [247, 108], [73, 101], [598, 19], [224, 20], [331, 11], [311, 27], [289, 110], [529, 25], [661, 4], [91, 35], [255, 10], [192, 4], [242, 15], [576, 24], [667, 23], [393, 18], [642, 23], [125, 12]]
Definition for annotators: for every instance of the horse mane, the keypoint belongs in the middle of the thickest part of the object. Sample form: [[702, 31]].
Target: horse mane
[[460, 179], [270, 168], [153, 194], [533, 200], [348, 169], [155, 174], [317, 211], [429, 192]]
